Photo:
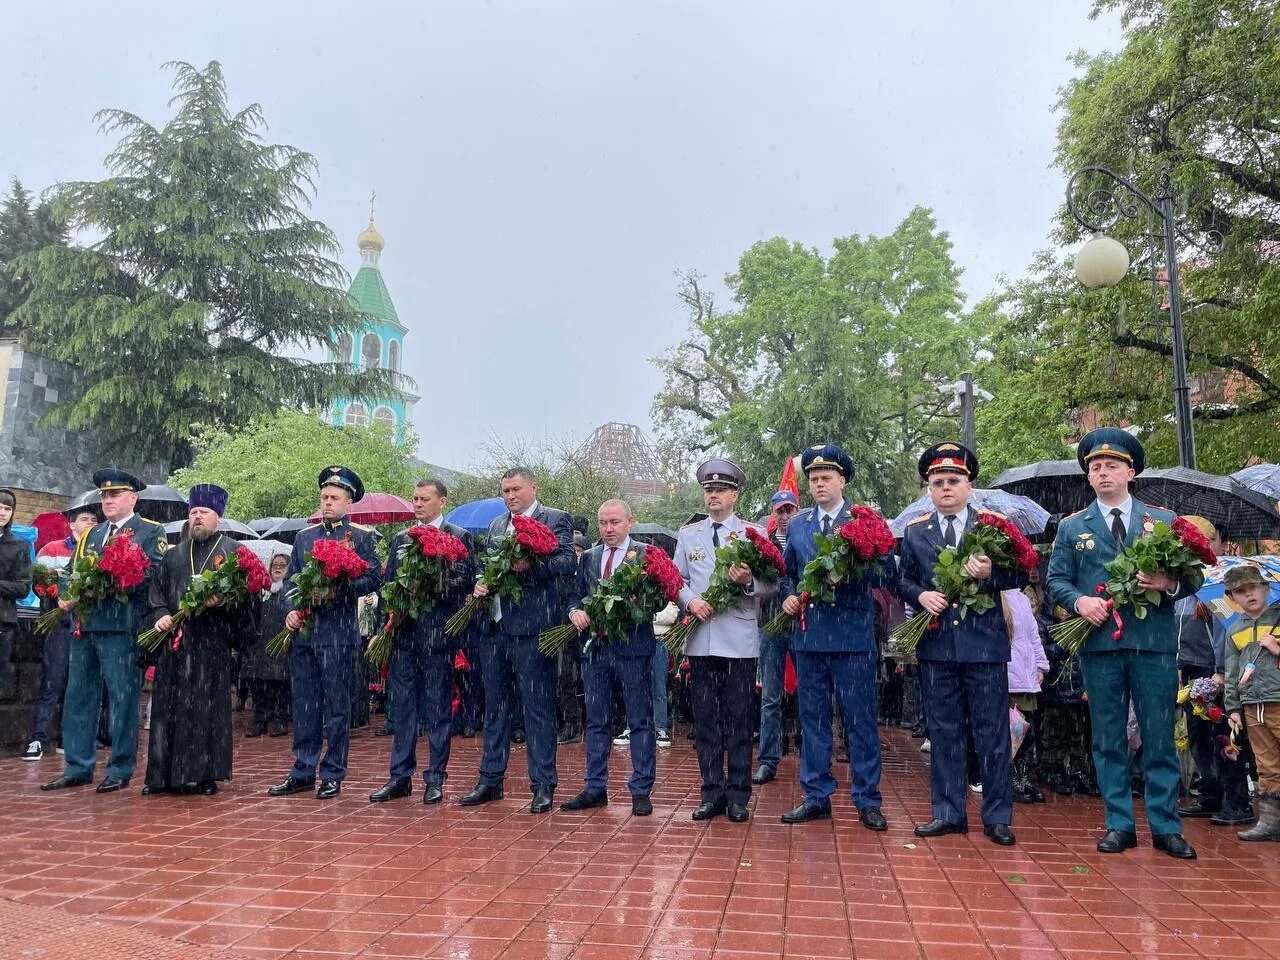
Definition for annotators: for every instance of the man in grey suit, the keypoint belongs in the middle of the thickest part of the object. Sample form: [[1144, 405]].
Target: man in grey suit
[[722, 652]]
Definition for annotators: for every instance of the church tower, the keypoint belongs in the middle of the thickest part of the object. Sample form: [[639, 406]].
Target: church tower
[[377, 342]]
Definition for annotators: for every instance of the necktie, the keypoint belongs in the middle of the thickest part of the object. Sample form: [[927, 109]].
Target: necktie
[[950, 536], [826, 525], [1117, 525], [608, 563], [111, 531], [715, 534]]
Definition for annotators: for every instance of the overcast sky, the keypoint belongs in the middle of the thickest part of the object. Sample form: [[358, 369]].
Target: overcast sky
[[542, 169]]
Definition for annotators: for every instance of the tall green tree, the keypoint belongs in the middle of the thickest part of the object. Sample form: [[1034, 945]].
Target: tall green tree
[[207, 275], [26, 225], [850, 347], [1196, 90]]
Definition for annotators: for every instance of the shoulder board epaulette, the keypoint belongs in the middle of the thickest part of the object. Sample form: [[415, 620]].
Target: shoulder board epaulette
[[1076, 514], [311, 526], [807, 512], [154, 523], [365, 527], [920, 519], [692, 524]]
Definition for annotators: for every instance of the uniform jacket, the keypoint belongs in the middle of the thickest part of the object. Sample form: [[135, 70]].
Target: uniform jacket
[[1076, 569], [736, 632], [430, 626], [113, 616], [848, 625], [333, 622], [539, 607], [641, 640], [978, 637]]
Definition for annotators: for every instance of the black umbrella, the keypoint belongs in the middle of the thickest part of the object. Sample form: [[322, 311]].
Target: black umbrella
[[1238, 512], [263, 524], [285, 530], [232, 528], [157, 502], [1057, 485], [656, 534]]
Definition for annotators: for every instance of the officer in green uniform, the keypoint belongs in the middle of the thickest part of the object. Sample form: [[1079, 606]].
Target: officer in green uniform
[[1140, 667]]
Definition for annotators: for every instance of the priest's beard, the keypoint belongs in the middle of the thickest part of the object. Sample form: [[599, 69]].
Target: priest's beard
[[201, 534]]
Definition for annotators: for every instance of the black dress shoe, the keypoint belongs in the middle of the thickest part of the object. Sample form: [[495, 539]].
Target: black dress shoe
[[763, 774], [707, 810], [256, 730], [386, 730], [432, 793], [207, 788], [291, 784], [328, 789], [938, 827], [641, 805], [468, 732], [64, 781], [585, 801], [542, 797], [518, 737], [1114, 841], [483, 793], [111, 784], [738, 813], [393, 789], [872, 818], [1174, 846], [1232, 818], [806, 812], [149, 790], [568, 735], [1000, 833], [1198, 809]]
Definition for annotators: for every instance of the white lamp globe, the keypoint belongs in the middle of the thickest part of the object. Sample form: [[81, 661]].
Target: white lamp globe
[[1102, 262]]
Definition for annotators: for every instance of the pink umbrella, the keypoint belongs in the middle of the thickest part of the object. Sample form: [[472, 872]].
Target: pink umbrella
[[377, 508]]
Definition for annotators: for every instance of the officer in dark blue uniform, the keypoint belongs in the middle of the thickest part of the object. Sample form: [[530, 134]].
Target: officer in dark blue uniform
[[964, 662], [321, 663], [105, 647]]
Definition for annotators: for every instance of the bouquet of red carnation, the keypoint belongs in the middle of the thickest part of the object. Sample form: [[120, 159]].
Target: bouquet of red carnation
[[120, 568], [1178, 549], [756, 551], [330, 563], [992, 536], [228, 581], [44, 581], [845, 555], [630, 597], [531, 541], [421, 579]]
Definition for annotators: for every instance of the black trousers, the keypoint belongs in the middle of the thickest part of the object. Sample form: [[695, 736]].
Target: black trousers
[[270, 700], [724, 709]]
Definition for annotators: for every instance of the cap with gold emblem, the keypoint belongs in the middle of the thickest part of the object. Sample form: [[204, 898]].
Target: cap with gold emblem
[[113, 478], [718, 472], [1114, 443], [948, 457], [344, 477], [827, 456]]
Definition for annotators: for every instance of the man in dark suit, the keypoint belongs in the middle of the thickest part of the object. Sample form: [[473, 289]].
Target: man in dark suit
[[628, 663], [834, 649], [321, 662], [511, 648], [421, 667], [104, 651], [964, 662]]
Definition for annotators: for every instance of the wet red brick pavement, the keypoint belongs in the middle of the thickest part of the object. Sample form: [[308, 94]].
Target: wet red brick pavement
[[243, 875]]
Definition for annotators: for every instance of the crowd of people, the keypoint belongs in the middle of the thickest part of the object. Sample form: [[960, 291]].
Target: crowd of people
[[1001, 707]]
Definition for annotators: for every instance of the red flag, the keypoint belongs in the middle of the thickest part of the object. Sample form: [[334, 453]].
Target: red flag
[[788, 481]]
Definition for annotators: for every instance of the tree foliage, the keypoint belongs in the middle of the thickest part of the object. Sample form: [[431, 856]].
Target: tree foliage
[[207, 274], [26, 225], [850, 347]]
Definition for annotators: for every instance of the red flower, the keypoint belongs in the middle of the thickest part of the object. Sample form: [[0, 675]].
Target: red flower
[[867, 534], [436, 543], [336, 559], [767, 549], [1194, 540], [125, 561], [536, 537], [659, 567], [1214, 713], [257, 578]]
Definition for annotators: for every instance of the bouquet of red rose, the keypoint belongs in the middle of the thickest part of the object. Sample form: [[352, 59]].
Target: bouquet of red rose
[[228, 581], [330, 563], [992, 536], [44, 581], [120, 568], [630, 597], [846, 555], [756, 551], [1178, 549], [531, 541], [421, 579]]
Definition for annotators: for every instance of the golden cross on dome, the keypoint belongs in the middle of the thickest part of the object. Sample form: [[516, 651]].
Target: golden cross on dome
[[373, 195]]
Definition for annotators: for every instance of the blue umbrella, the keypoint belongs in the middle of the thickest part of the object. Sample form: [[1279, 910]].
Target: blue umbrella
[[1214, 597], [1027, 515], [1263, 477], [478, 514]]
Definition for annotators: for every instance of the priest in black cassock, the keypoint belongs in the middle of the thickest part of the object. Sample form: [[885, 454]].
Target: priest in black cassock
[[190, 746]]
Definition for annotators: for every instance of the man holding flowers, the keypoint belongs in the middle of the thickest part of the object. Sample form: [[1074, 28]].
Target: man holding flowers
[[964, 651], [1136, 662]]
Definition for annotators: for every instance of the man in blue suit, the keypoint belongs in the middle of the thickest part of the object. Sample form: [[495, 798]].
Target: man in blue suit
[[1141, 667], [321, 663], [421, 666], [511, 648], [834, 651], [628, 663], [964, 661], [105, 649]]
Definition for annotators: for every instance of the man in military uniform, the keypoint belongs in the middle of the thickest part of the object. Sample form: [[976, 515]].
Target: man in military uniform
[[722, 652], [964, 662], [421, 666], [834, 650], [104, 651], [509, 653], [1140, 667], [321, 663]]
